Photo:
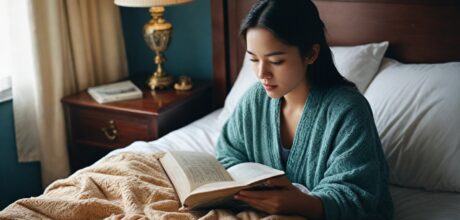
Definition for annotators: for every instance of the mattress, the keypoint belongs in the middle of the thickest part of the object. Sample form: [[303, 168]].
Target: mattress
[[201, 135]]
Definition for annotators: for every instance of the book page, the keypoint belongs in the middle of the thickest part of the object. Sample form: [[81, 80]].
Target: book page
[[245, 175], [252, 172], [200, 168], [216, 186], [176, 175]]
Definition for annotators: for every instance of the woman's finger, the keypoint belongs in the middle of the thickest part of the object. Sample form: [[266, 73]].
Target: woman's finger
[[282, 181], [255, 203], [259, 194]]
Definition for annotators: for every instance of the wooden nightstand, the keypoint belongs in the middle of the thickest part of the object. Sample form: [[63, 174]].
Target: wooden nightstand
[[95, 129]]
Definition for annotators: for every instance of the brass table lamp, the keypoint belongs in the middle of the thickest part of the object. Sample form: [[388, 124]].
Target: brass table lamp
[[157, 35]]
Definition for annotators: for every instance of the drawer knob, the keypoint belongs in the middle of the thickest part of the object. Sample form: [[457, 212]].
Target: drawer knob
[[111, 131]]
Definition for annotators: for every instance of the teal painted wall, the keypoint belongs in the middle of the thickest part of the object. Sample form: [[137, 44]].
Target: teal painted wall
[[190, 50], [17, 180]]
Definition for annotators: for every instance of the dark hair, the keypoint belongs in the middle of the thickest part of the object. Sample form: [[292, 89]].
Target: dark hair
[[297, 23]]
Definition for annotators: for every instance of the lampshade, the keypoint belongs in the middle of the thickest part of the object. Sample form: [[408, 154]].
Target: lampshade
[[149, 3]]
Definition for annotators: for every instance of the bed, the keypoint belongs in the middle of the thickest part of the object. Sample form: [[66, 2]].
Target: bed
[[406, 55]]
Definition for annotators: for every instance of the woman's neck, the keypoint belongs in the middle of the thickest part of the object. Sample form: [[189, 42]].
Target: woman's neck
[[295, 99]]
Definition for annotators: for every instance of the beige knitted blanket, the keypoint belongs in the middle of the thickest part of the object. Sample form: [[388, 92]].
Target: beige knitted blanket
[[126, 186]]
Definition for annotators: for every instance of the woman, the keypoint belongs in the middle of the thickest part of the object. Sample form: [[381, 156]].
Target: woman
[[306, 119]]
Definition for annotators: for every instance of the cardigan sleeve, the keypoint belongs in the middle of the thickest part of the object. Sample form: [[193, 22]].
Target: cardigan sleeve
[[230, 149], [356, 176]]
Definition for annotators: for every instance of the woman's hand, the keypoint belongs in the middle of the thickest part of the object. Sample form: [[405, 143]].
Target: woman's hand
[[283, 199]]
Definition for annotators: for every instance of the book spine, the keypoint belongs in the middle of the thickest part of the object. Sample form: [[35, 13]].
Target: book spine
[[95, 96], [107, 99], [121, 97]]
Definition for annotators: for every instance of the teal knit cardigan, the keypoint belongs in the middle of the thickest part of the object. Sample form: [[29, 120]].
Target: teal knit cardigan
[[336, 152]]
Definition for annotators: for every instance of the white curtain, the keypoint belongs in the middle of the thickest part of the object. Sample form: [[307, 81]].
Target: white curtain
[[75, 44]]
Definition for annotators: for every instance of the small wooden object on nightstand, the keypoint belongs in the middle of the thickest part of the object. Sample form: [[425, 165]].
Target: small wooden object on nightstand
[[95, 129]]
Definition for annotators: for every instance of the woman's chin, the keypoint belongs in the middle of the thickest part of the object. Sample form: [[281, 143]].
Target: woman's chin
[[274, 95]]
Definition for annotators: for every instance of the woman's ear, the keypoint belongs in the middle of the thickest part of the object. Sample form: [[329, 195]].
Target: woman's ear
[[310, 59]]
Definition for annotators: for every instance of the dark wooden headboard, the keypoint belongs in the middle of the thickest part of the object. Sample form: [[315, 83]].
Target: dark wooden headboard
[[419, 31]]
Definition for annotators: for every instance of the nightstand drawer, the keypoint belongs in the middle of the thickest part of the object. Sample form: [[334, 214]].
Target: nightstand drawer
[[108, 129], [95, 129]]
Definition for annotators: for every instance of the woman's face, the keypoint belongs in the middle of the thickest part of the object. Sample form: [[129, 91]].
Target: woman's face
[[279, 67]]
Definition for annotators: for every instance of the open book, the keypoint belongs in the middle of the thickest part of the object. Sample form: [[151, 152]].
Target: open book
[[202, 182]]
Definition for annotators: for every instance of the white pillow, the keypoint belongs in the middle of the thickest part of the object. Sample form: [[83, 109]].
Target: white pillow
[[356, 63], [246, 78], [417, 112], [359, 64]]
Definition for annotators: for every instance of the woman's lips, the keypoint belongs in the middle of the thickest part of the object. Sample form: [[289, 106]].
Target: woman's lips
[[269, 87]]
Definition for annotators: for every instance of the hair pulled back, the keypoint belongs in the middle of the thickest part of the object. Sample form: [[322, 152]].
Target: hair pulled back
[[297, 23]]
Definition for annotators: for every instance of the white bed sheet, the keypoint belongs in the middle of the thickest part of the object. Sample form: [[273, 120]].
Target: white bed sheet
[[416, 204], [201, 135]]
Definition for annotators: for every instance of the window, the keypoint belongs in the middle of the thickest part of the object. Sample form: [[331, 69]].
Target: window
[[15, 32], [5, 52]]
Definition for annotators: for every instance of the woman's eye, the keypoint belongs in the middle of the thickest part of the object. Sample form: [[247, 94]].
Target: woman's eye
[[254, 60], [277, 62]]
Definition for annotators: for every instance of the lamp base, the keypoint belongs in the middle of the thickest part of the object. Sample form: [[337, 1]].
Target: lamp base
[[160, 82]]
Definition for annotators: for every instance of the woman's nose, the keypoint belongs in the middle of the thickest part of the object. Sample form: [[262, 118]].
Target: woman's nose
[[263, 71]]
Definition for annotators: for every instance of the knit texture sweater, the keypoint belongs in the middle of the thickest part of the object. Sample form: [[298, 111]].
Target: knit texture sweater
[[336, 151]]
